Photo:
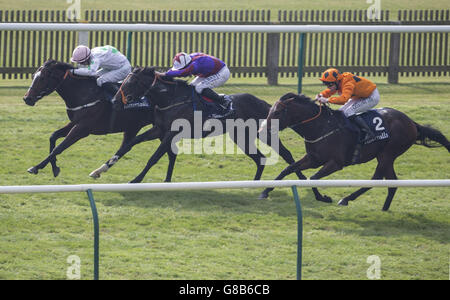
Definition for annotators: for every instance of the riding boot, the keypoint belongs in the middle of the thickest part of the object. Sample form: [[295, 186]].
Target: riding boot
[[209, 93], [364, 127], [110, 90]]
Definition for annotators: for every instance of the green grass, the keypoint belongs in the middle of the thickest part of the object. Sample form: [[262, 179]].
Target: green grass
[[222, 234]]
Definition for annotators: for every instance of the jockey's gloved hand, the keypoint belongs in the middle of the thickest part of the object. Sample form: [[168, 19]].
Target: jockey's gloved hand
[[322, 100], [318, 96]]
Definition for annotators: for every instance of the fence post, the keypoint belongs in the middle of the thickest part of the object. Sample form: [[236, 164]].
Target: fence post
[[299, 231], [273, 53], [394, 58], [96, 233], [301, 61], [129, 41]]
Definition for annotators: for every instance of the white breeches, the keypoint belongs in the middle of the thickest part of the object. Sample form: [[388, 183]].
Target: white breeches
[[113, 75], [360, 105], [212, 81]]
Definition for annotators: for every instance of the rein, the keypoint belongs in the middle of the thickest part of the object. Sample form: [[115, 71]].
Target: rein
[[156, 78], [67, 74], [284, 105]]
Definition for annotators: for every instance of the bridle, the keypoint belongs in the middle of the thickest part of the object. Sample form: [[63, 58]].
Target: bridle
[[284, 105], [48, 90]]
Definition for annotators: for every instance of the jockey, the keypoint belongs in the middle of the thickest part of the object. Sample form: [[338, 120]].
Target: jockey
[[106, 63], [357, 95], [210, 72]]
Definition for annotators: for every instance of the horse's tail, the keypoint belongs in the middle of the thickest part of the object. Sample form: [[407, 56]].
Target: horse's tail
[[426, 134]]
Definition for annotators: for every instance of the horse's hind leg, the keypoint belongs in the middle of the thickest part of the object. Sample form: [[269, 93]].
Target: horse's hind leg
[[391, 191], [160, 151], [53, 138], [385, 169]]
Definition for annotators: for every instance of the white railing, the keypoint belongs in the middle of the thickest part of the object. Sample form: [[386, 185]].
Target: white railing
[[293, 184], [219, 185]]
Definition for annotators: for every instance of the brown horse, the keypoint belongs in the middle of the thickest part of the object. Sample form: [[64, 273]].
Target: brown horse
[[88, 110], [331, 145]]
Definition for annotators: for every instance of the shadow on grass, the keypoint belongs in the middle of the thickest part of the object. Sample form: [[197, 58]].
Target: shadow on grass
[[226, 201], [393, 223]]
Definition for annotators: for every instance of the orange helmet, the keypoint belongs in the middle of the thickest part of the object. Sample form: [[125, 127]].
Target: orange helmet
[[331, 75]]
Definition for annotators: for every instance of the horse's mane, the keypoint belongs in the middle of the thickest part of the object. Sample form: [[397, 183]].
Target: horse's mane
[[299, 98], [64, 67], [303, 99], [59, 64]]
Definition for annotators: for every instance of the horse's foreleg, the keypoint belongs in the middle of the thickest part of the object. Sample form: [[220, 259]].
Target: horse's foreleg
[[162, 149], [53, 138], [327, 169], [76, 133], [129, 141], [306, 162], [284, 153]]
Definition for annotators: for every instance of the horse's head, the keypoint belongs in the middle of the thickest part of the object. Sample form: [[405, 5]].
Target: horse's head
[[136, 85], [46, 79], [291, 109]]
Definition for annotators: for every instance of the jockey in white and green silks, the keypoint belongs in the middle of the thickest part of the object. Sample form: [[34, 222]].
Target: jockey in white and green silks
[[106, 63]]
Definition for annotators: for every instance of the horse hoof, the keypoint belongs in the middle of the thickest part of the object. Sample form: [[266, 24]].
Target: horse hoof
[[343, 202], [94, 175], [32, 170], [97, 173], [326, 199], [56, 172], [136, 180], [263, 196]]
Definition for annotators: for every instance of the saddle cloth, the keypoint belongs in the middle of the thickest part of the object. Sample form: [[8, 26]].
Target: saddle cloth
[[376, 124]]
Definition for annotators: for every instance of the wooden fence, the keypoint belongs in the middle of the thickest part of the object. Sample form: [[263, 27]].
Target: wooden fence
[[247, 54]]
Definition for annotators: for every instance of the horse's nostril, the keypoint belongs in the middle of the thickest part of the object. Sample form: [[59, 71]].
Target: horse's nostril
[[29, 101]]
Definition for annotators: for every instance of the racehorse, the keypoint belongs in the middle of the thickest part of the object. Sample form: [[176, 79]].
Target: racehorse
[[87, 108], [331, 145], [174, 100]]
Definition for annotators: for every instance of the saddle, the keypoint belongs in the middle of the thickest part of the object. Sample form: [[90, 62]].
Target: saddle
[[375, 122]]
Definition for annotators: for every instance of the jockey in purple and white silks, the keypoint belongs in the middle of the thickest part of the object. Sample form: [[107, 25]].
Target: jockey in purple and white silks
[[106, 63], [210, 73]]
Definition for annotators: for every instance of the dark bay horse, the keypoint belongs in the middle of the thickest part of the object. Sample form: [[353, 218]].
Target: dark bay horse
[[330, 145], [174, 101], [87, 109]]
